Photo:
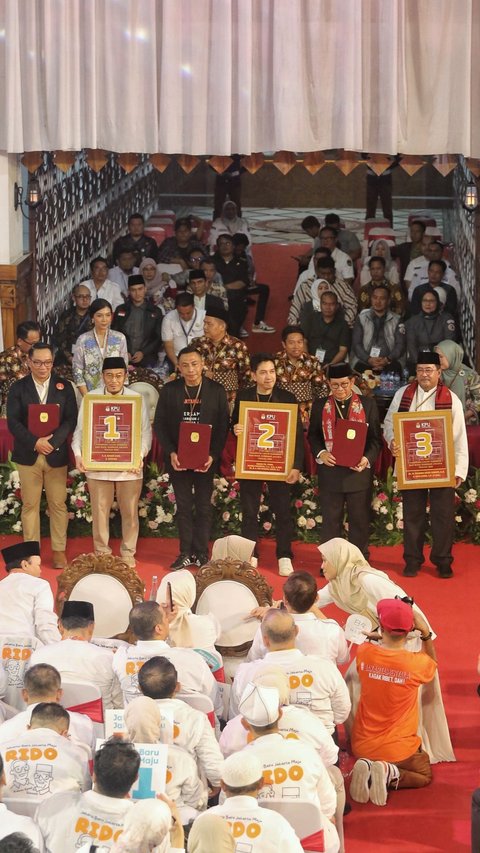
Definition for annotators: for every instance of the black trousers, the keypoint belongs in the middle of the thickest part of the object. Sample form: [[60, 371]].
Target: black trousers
[[237, 310], [250, 491], [193, 493], [476, 821], [379, 186], [442, 521], [263, 292], [358, 505]]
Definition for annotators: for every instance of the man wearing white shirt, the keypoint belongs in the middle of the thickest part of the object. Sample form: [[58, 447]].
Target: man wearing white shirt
[[11, 822], [42, 683], [315, 636], [181, 326], [150, 626], [100, 286], [26, 601], [105, 485], [76, 658], [70, 819], [417, 270], [343, 263], [315, 682], [425, 394], [124, 268], [257, 830]]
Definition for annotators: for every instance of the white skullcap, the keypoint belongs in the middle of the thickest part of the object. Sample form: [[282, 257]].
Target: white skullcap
[[241, 769], [259, 705]]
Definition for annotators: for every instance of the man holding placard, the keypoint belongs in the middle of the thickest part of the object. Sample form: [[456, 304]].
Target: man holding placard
[[345, 439], [191, 424], [422, 456], [270, 449], [110, 444]]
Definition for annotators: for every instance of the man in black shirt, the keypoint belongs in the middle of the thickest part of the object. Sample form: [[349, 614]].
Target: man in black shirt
[[235, 277], [144, 247], [72, 323], [141, 323]]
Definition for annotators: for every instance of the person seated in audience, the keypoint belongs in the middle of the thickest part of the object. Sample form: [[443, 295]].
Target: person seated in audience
[[141, 323], [325, 270], [42, 683], [324, 325], [14, 360], [143, 246], [100, 286], [376, 274], [12, 823], [315, 636], [187, 630], [347, 240], [154, 283], [70, 819], [462, 380], [356, 587], [255, 288], [417, 271], [298, 372], [191, 729], [384, 736], [427, 328], [380, 249], [236, 279], [436, 281], [74, 321], [315, 682], [42, 761], [226, 358], [153, 826], [215, 284], [264, 831], [175, 250], [76, 658], [343, 263], [197, 284], [260, 710], [311, 226], [26, 600], [412, 249], [143, 723], [308, 276], [378, 337], [93, 347], [194, 259], [181, 326], [149, 624], [124, 268], [211, 833], [228, 223]]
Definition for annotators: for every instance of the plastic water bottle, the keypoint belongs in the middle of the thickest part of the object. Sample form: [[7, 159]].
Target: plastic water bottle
[[406, 375], [153, 589]]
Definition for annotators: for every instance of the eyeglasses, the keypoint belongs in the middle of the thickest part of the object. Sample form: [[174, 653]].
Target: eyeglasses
[[427, 370], [342, 386], [37, 363]]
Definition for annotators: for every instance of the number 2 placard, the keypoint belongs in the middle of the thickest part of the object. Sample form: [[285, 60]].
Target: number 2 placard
[[111, 432], [266, 447], [427, 458]]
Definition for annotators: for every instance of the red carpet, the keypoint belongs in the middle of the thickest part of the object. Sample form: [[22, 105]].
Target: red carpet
[[436, 818]]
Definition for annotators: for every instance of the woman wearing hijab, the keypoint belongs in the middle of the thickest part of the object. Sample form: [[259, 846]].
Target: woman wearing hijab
[[425, 330], [187, 630], [356, 587], [228, 223], [462, 380], [380, 249], [211, 834]]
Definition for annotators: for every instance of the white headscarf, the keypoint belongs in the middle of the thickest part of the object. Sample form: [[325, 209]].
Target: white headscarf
[[210, 834], [146, 829], [233, 548], [346, 588], [319, 286], [184, 593], [143, 720]]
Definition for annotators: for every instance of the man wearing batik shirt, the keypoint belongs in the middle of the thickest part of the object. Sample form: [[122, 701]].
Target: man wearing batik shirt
[[226, 358], [299, 372], [14, 362]]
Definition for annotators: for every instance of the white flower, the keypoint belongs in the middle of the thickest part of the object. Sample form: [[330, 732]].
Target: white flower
[[142, 512], [470, 496], [17, 527], [151, 485], [376, 504], [389, 526], [458, 518], [168, 517], [302, 521], [384, 510], [477, 517], [318, 519], [399, 525]]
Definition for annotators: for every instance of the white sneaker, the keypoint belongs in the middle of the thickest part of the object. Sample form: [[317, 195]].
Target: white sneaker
[[285, 567], [243, 333], [254, 562], [262, 327], [360, 782], [382, 774]]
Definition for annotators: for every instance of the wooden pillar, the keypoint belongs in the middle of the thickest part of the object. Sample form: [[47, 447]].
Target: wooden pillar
[[477, 289], [16, 297]]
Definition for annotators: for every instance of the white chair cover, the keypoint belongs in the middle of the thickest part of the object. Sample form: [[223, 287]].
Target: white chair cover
[[230, 602], [111, 602]]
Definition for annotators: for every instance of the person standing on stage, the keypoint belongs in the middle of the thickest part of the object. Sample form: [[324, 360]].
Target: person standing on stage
[[265, 390], [338, 485], [192, 398], [426, 393]]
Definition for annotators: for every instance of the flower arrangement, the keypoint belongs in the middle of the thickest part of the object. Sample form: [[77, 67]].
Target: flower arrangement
[[157, 508]]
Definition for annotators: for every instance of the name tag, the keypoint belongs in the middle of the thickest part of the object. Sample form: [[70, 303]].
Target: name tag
[[375, 352], [320, 354]]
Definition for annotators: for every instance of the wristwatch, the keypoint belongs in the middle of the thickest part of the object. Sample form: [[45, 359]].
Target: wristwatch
[[427, 638]]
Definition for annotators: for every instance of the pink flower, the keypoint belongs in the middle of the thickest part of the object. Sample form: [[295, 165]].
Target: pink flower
[[149, 495], [382, 496], [171, 497], [71, 515], [79, 503], [298, 503], [310, 523], [153, 525], [267, 525], [226, 516], [232, 494]]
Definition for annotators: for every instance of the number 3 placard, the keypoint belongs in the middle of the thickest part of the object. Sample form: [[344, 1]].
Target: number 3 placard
[[112, 432], [427, 458], [266, 447]]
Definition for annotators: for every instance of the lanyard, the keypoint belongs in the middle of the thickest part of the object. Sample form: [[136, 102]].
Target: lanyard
[[186, 332]]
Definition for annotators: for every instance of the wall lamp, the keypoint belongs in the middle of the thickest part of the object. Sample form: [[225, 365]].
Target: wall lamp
[[33, 197], [470, 201]]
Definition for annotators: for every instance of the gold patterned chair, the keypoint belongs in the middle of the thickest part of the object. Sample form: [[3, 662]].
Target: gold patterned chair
[[231, 589], [109, 584], [148, 384]]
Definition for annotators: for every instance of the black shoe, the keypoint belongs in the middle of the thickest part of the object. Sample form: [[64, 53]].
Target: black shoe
[[411, 571], [445, 572], [199, 560], [183, 561]]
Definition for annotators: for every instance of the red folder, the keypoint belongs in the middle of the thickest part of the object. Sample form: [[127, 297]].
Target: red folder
[[43, 418], [349, 442], [193, 445]]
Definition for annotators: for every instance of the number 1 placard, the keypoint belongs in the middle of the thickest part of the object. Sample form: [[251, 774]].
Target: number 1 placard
[[266, 447], [427, 458], [112, 432]]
